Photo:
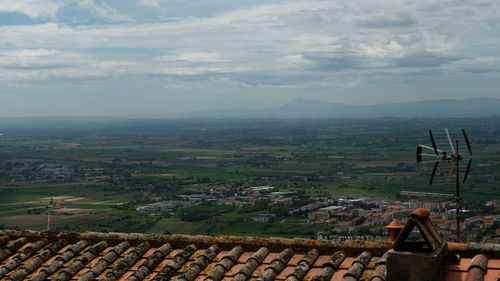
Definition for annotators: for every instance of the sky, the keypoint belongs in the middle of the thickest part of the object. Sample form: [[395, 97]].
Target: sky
[[142, 57]]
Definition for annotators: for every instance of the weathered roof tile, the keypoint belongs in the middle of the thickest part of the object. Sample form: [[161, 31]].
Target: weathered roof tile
[[134, 257], [330, 266], [477, 268], [167, 272], [38, 260], [304, 265], [277, 265], [225, 264], [358, 266], [127, 262], [199, 264], [148, 265], [89, 254], [105, 261], [26, 253], [57, 263], [380, 272], [252, 263], [12, 247]]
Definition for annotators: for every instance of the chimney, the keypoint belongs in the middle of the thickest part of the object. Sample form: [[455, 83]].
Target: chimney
[[423, 259], [394, 229]]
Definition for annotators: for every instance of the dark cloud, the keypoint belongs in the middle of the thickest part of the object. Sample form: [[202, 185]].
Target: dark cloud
[[424, 59]]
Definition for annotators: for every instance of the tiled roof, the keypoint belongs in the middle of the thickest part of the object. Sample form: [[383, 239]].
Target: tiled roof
[[63, 256]]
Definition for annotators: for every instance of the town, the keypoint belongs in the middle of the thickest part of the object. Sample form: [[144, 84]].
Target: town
[[327, 178], [349, 218]]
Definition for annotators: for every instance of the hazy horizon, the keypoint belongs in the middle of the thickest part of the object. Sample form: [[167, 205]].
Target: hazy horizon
[[151, 57]]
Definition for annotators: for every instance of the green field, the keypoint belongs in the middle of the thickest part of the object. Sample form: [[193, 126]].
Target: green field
[[109, 167]]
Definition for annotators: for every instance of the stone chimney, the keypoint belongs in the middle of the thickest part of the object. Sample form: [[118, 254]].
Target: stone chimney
[[424, 259], [394, 229]]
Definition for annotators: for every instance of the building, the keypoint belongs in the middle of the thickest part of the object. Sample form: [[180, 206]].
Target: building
[[263, 217]]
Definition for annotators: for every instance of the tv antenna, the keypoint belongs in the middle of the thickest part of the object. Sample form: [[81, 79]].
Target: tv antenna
[[48, 221], [452, 156]]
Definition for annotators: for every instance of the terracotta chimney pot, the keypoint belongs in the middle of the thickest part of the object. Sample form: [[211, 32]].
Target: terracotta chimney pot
[[394, 229]]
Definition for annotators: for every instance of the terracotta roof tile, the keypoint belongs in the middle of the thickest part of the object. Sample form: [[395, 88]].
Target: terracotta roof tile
[[225, 264], [103, 263], [199, 264], [358, 266], [285, 273], [12, 247], [117, 256], [330, 266], [4, 239], [277, 265], [38, 260], [89, 254], [27, 252], [148, 265], [420, 213], [177, 262], [477, 268], [304, 266], [251, 265], [312, 273], [494, 264], [127, 262], [57, 261]]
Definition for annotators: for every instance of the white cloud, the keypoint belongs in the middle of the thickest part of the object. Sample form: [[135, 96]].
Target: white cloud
[[149, 3], [155, 3], [196, 57], [298, 45], [32, 8], [103, 11]]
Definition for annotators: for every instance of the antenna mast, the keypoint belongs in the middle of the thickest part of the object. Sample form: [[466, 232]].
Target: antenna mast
[[454, 157], [458, 197], [48, 222]]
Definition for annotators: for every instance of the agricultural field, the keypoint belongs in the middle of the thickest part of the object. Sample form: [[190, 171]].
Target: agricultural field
[[93, 173]]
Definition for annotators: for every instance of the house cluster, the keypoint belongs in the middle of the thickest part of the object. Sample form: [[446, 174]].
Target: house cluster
[[349, 216], [22, 171]]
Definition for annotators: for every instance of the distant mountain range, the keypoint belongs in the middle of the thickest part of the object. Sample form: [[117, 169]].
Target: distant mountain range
[[300, 108]]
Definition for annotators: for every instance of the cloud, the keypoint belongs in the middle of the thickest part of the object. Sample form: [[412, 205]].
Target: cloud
[[291, 45], [385, 21], [195, 57], [103, 11], [155, 3], [32, 8], [149, 3], [490, 64]]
